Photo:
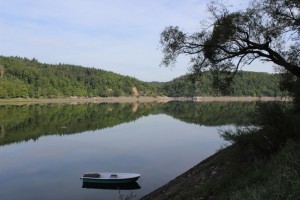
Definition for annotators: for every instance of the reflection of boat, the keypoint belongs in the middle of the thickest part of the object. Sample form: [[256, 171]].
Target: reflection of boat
[[112, 186], [107, 177]]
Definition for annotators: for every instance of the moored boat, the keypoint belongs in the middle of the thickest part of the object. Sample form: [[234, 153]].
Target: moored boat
[[108, 177]]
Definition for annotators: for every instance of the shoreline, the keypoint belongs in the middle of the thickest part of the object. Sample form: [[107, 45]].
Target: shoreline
[[82, 100], [135, 99], [193, 178]]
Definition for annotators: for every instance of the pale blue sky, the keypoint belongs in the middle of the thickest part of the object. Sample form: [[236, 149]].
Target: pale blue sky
[[115, 35]]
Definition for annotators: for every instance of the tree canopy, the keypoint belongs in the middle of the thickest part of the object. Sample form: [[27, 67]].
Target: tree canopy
[[243, 84], [268, 30], [21, 77]]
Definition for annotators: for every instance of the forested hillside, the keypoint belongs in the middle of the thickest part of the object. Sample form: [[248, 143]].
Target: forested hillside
[[21, 77], [25, 78], [244, 84]]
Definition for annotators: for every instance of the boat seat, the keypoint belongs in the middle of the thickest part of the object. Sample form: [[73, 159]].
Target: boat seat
[[113, 175], [92, 175]]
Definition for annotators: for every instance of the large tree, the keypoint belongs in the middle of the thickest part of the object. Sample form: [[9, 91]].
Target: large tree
[[267, 30]]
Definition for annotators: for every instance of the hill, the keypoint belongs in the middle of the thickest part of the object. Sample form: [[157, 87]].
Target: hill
[[25, 78], [21, 77], [244, 84]]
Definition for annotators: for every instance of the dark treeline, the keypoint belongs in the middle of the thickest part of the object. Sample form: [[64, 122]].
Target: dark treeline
[[24, 78], [26, 122], [244, 84], [21, 77]]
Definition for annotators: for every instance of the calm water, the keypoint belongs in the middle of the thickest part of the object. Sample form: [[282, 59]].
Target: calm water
[[45, 149]]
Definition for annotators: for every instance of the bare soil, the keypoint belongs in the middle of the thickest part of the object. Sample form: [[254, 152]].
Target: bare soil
[[132, 99], [79, 100]]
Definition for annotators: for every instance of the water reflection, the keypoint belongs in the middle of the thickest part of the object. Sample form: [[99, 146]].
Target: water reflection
[[119, 187], [29, 122], [159, 141], [112, 186]]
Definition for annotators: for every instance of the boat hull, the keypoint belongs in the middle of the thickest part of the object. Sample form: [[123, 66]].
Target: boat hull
[[129, 180], [110, 178]]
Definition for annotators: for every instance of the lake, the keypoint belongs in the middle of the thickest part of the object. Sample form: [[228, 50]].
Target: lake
[[45, 149]]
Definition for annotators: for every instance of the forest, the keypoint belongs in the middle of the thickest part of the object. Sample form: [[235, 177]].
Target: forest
[[244, 84], [28, 78], [25, 78]]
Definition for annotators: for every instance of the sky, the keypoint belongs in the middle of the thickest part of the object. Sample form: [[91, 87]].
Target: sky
[[121, 36]]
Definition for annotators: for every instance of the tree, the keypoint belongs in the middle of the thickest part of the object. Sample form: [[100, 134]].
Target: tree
[[268, 30], [1, 71]]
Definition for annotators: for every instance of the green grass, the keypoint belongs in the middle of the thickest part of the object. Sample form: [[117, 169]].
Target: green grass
[[265, 161], [277, 177]]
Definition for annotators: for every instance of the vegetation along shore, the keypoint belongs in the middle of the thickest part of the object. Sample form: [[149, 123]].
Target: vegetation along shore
[[132, 99], [263, 161], [230, 174], [28, 78]]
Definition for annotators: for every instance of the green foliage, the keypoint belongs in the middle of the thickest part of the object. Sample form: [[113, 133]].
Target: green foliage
[[21, 123], [256, 84], [267, 30], [275, 124], [178, 87], [274, 178], [212, 113], [1, 71], [29, 78], [13, 89], [243, 84], [265, 158], [231, 174], [281, 174]]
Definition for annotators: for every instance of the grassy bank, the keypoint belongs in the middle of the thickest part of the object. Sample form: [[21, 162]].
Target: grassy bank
[[229, 175]]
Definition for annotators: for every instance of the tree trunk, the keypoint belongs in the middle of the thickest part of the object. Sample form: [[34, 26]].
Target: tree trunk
[[1, 71]]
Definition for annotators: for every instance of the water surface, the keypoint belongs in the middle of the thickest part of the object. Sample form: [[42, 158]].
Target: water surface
[[45, 149]]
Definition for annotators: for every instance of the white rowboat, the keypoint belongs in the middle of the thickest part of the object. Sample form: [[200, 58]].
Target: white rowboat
[[108, 177]]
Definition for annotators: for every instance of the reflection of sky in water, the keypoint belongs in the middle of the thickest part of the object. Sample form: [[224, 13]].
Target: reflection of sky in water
[[158, 147]]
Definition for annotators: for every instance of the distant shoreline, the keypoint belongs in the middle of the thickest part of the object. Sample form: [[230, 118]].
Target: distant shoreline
[[229, 98], [139, 99]]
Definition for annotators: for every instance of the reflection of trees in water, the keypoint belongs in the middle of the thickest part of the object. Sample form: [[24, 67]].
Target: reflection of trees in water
[[124, 189], [27, 122], [22, 123], [212, 113], [2, 131]]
